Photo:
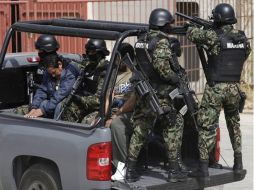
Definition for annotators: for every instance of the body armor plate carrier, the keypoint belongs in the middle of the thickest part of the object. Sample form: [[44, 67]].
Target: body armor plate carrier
[[144, 48], [144, 51], [227, 66]]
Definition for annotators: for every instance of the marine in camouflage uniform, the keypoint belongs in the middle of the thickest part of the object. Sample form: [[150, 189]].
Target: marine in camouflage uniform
[[227, 49], [83, 105], [163, 79]]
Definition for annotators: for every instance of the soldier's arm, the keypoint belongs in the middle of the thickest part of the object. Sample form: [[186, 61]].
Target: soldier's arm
[[128, 105], [161, 57], [199, 36]]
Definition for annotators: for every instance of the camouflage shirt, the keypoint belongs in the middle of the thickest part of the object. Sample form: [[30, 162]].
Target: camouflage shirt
[[209, 39]]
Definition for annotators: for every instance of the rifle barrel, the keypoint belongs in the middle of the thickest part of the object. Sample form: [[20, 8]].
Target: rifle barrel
[[184, 16]]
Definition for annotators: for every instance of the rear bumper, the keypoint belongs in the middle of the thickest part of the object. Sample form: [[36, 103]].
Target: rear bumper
[[155, 179]]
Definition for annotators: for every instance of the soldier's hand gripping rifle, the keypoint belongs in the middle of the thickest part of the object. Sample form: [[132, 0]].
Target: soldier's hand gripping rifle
[[183, 89], [75, 87], [143, 87]]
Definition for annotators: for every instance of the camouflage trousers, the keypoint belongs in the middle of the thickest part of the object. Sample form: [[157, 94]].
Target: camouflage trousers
[[73, 113], [78, 109], [143, 119], [221, 95], [22, 110]]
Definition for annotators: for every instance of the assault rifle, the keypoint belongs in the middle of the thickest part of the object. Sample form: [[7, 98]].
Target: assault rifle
[[75, 87], [30, 87], [184, 90], [143, 87], [197, 21]]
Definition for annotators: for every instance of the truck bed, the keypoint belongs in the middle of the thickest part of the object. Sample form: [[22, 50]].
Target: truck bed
[[156, 178]]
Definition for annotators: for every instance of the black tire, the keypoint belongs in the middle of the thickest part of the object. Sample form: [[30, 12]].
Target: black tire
[[40, 177]]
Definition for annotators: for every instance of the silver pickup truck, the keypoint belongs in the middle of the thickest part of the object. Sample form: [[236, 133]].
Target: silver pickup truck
[[44, 154]]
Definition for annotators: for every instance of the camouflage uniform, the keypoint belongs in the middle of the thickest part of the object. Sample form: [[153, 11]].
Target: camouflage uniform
[[143, 116], [84, 105], [22, 110], [221, 94]]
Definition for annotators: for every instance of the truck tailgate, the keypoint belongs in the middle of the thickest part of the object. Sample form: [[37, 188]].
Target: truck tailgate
[[156, 178]]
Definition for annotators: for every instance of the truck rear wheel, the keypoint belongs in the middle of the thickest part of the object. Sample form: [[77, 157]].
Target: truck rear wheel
[[40, 177]]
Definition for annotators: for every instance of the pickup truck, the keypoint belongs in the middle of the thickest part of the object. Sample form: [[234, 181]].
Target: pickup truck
[[45, 154]]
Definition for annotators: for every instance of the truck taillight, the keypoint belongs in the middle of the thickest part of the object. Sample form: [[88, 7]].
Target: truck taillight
[[99, 158], [217, 145], [33, 59]]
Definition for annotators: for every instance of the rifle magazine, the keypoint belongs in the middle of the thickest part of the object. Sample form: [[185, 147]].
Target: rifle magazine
[[183, 110]]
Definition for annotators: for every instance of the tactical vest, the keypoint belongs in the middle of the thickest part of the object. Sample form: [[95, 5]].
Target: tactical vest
[[144, 48], [91, 81], [228, 65]]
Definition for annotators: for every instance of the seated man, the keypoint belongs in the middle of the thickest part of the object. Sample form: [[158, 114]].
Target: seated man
[[58, 79], [122, 108], [121, 131], [87, 99]]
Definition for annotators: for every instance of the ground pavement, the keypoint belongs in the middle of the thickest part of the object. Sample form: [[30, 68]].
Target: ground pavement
[[227, 153]]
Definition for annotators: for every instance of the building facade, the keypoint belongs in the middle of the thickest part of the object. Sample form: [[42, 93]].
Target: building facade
[[123, 11]]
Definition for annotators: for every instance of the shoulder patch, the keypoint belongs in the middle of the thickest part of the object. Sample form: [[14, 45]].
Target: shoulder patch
[[141, 45]]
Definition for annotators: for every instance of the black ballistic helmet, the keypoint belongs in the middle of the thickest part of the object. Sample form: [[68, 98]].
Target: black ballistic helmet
[[159, 18], [224, 14], [47, 43], [97, 45]]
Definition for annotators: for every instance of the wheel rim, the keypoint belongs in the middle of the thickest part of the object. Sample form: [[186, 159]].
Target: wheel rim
[[37, 185]]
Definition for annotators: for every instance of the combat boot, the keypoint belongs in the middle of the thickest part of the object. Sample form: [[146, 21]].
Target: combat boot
[[202, 172], [204, 168], [183, 168], [174, 173], [131, 171], [215, 164], [238, 163]]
